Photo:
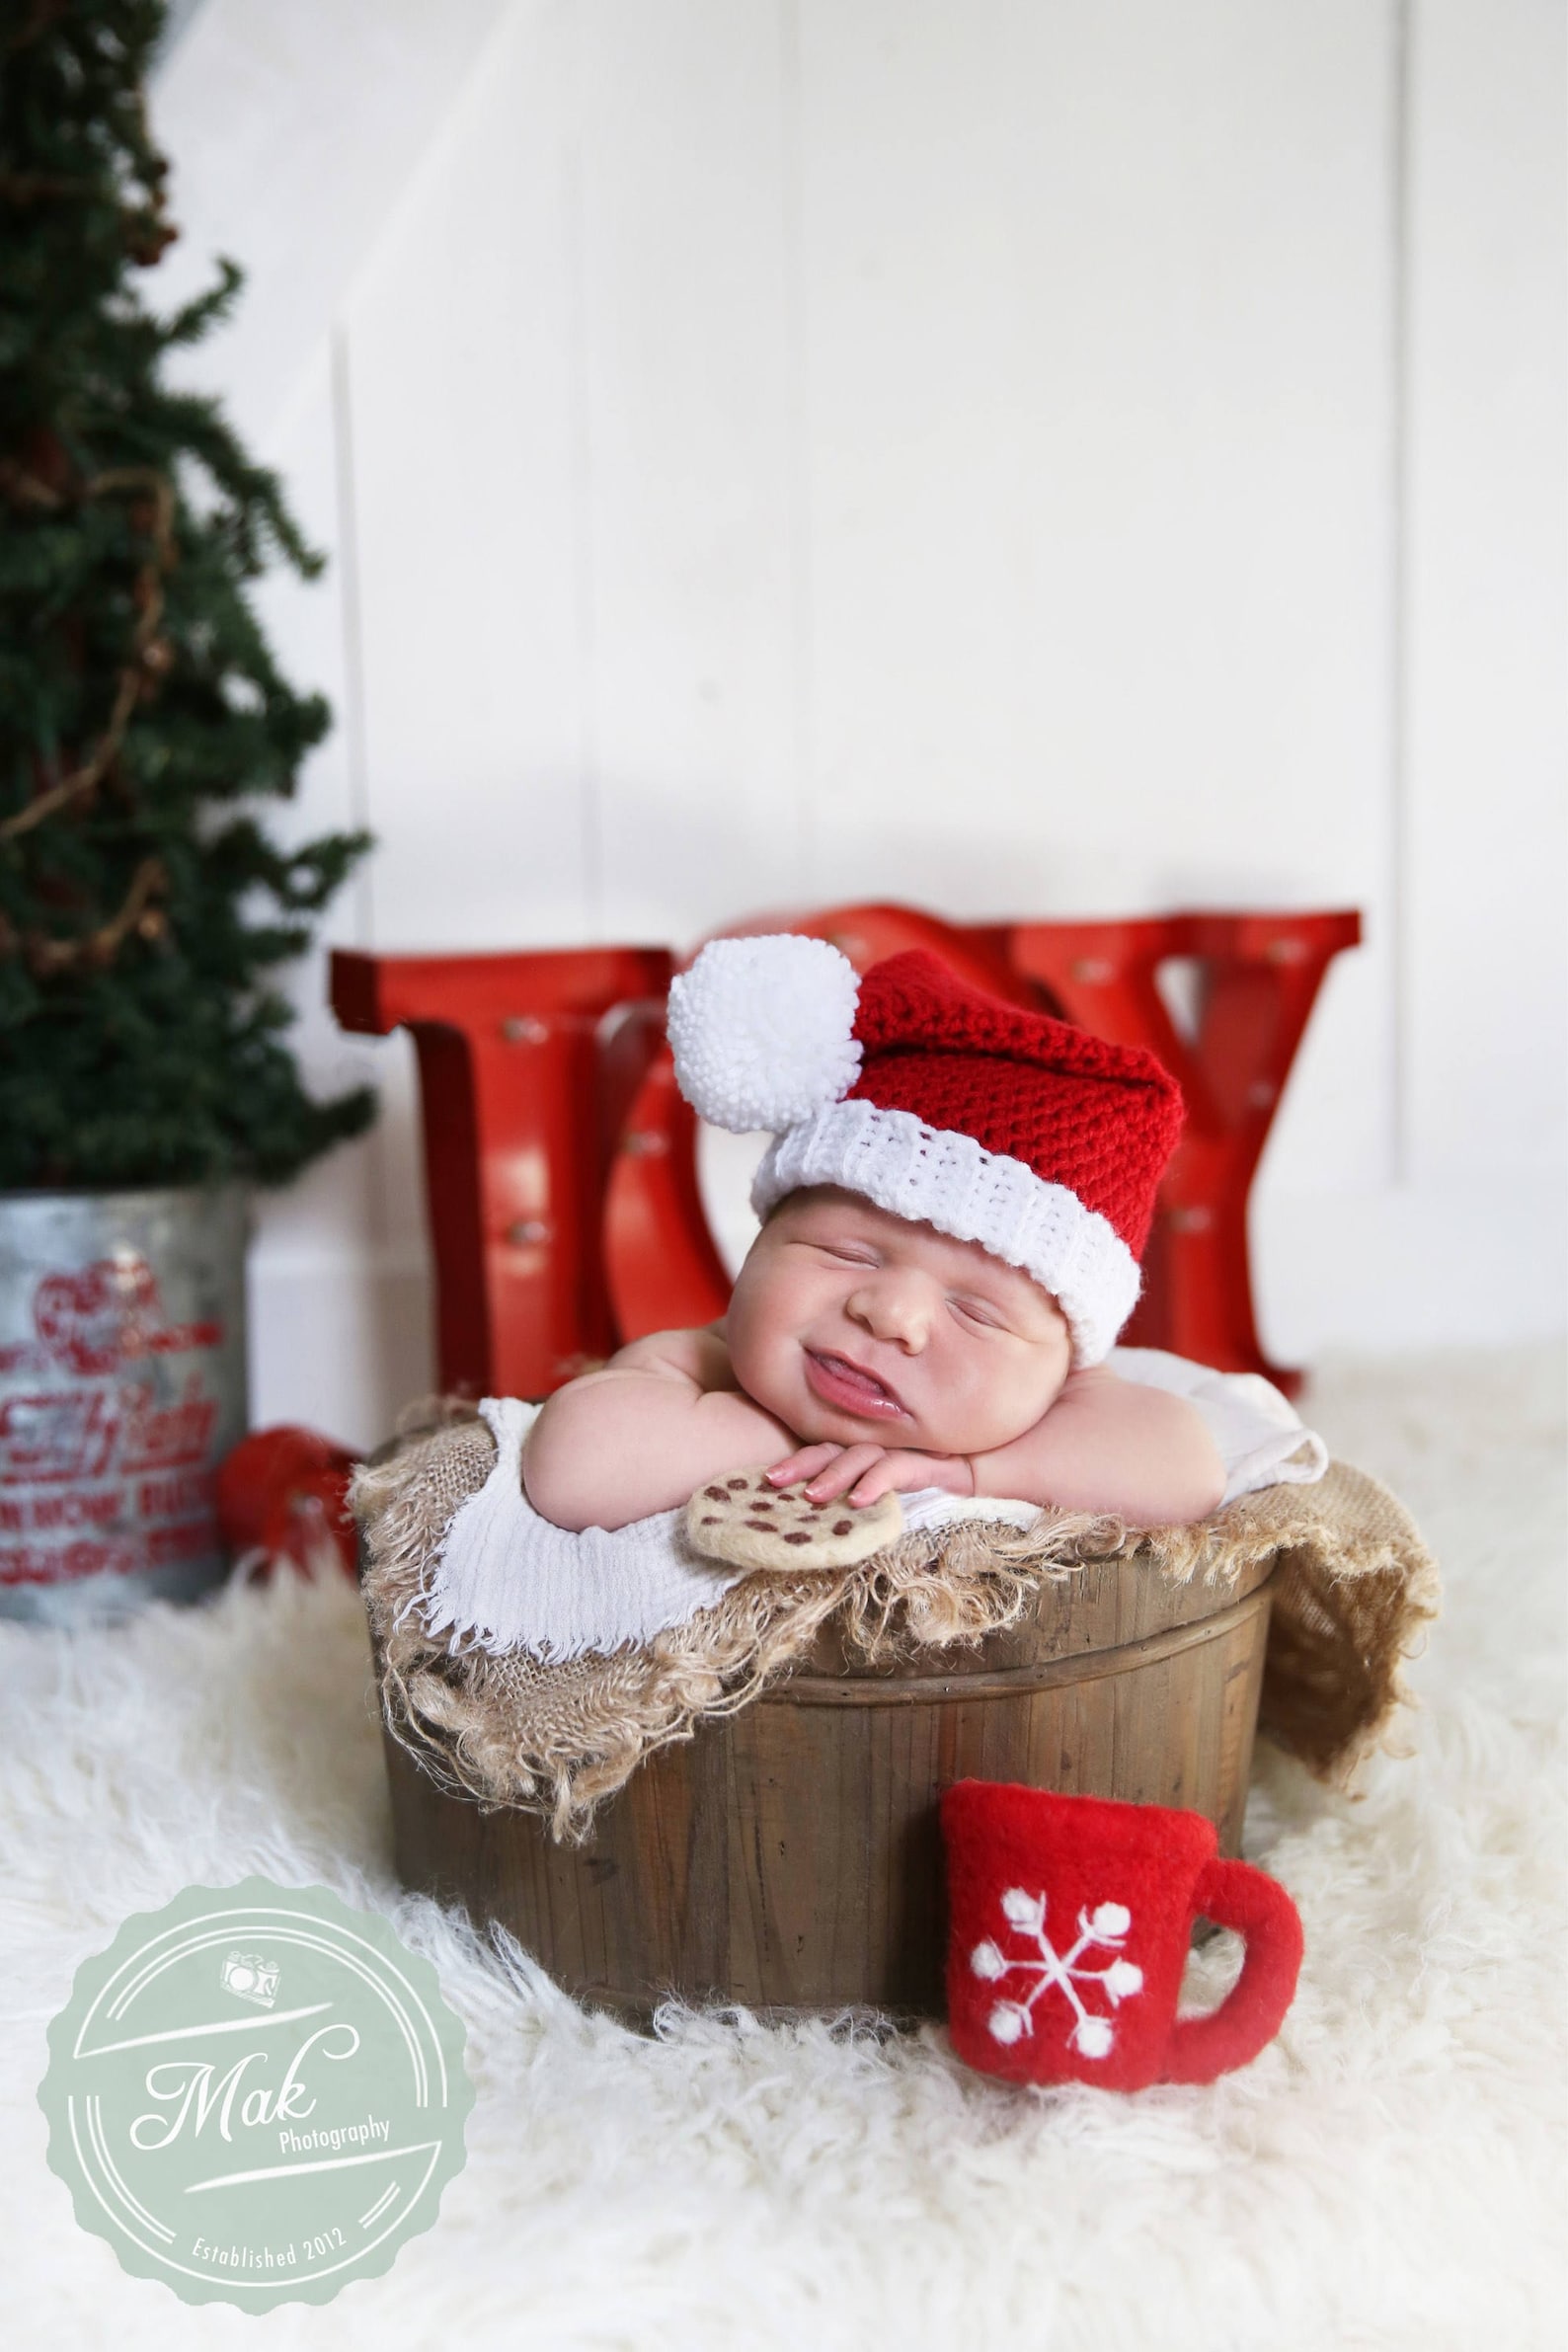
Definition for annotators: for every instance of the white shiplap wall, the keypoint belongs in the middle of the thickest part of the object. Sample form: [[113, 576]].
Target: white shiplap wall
[[1017, 456]]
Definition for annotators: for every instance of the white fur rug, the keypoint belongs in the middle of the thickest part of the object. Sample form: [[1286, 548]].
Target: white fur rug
[[1390, 2173]]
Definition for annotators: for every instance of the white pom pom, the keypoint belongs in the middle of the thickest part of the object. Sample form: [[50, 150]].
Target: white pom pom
[[1094, 2037], [762, 1031]]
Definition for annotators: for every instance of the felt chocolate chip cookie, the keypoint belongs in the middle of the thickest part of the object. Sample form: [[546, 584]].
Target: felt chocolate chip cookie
[[751, 1525]]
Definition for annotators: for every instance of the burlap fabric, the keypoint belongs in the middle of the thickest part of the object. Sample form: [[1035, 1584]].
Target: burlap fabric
[[1353, 1585]]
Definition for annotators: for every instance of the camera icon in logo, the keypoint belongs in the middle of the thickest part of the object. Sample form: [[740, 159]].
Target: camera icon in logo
[[252, 1978]]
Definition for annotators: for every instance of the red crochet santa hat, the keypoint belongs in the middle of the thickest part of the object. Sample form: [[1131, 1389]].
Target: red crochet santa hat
[[941, 1104]]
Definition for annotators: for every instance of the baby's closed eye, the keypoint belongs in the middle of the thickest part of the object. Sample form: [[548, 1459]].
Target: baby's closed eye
[[978, 1312]]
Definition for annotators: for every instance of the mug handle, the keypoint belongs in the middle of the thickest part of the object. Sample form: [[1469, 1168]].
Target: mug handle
[[1235, 1895]]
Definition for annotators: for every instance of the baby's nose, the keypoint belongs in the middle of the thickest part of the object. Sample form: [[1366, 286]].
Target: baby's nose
[[892, 1308]]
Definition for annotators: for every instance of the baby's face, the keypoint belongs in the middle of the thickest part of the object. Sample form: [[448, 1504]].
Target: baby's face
[[851, 1324]]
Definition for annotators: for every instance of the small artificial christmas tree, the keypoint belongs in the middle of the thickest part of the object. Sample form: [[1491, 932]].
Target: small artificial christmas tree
[[141, 715]]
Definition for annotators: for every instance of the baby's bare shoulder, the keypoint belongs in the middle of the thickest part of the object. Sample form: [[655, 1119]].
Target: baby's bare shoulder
[[701, 1357], [1089, 1391], [1098, 1393]]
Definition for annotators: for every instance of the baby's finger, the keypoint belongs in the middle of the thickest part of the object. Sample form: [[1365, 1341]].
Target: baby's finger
[[840, 1476], [802, 1463], [879, 1480]]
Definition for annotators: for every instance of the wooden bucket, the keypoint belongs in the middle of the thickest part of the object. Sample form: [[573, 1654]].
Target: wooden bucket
[[787, 1857]]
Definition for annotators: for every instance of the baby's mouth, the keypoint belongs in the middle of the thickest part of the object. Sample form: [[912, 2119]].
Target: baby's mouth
[[838, 1381]]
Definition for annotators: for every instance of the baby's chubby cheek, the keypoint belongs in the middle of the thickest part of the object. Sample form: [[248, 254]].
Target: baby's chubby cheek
[[764, 1353], [984, 1408]]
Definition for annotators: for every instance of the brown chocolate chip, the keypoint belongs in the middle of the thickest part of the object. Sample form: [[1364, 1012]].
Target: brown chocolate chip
[[841, 1526], [797, 1538], [763, 1502], [711, 1520], [716, 1494], [819, 1506], [734, 1484], [765, 1527]]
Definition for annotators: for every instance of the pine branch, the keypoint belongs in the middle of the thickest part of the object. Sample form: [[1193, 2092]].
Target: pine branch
[[143, 719]]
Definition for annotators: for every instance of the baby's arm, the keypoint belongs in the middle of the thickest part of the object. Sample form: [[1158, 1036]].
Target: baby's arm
[[1105, 1445], [663, 1416], [1114, 1446]]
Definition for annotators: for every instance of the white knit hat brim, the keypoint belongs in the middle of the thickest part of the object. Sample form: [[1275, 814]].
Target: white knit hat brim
[[939, 1177]]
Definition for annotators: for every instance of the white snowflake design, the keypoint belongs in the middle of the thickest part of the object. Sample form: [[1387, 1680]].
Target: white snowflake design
[[1105, 1927]]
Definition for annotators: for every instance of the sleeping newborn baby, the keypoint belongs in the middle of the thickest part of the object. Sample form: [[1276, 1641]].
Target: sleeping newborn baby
[[954, 1206]]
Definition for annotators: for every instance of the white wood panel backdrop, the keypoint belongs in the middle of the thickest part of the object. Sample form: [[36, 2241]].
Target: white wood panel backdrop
[[1025, 457]]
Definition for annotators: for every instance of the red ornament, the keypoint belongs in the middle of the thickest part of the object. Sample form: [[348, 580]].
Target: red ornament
[[1071, 1918], [284, 1491]]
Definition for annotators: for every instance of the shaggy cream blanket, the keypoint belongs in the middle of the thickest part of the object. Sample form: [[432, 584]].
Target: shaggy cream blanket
[[1389, 2173]]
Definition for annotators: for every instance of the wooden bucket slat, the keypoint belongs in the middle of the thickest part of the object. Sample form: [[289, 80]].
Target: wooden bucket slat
[[789, 1856]]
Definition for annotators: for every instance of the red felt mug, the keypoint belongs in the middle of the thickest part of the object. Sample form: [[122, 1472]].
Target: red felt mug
[[1070, 1923]]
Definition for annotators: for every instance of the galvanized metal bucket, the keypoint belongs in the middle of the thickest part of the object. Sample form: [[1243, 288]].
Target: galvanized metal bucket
[[121, 1388]]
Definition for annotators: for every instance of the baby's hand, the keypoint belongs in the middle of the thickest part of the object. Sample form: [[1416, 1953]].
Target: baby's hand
[[865, 1473]]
